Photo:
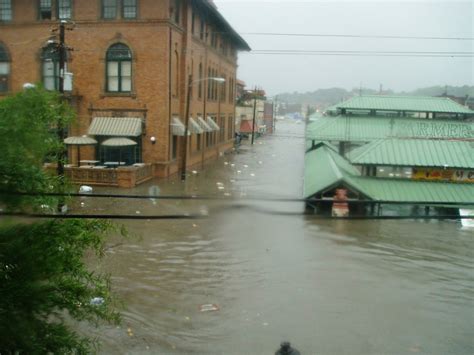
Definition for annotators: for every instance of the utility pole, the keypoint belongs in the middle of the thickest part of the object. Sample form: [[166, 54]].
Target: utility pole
[[254, 111], [275, 105], [60, 128], [186, 122]]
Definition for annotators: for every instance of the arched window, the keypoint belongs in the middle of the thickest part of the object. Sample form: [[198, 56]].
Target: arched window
[[119, 68], [50, 67], [4, 69]]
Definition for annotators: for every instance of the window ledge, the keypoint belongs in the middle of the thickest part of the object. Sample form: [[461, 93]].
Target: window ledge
[[118, 94]]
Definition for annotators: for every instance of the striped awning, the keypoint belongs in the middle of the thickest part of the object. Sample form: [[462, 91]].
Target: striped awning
[[177, 127], [205, 127], [212, 124], [116, 126], [194, 127]]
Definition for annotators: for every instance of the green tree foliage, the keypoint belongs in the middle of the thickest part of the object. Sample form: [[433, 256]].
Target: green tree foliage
[[45, 286]]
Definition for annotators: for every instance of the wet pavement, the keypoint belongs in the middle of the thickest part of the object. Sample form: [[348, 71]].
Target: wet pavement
[[328, 286]]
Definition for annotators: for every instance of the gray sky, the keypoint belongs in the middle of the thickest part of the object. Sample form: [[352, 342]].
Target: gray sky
[[288, 73]]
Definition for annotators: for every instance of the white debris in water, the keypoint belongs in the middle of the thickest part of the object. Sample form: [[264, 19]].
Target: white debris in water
[[97, 301], [238, 171], [232, 181], [232, 165], [226, 163], [246, 166], [265, 324], [194, 172], [227, 194], [204, 210], [219, 184], [252, 174], [85, 189], [260, 162], [221, 187], [208, 307], [82, 204], [137, 212]]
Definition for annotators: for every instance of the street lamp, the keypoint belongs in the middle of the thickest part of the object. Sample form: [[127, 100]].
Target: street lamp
[[186, 118]]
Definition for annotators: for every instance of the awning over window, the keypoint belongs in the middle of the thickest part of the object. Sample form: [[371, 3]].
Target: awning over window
[[205, 127], [118, 142], [193, 127], [212, 124], [116, 126], [177, 127]]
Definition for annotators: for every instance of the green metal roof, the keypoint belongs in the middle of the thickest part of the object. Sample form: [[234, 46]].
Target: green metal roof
[[415, 152], [316, 144], [325, 169], [405, 190], [404, 103], [366, 129]]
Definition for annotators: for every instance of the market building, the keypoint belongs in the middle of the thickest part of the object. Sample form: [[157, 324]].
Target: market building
[[133, 64], [391, 150]]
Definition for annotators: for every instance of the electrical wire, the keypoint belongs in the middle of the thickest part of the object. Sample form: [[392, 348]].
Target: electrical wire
[[218, 198]]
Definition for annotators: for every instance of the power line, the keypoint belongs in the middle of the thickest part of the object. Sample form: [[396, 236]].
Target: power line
[[357, 36], [199, 216], [218, 198]]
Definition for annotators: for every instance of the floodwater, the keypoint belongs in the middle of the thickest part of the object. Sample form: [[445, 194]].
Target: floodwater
[[328, 286]]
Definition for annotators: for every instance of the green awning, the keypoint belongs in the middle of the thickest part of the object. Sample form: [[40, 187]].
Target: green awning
[[212, 124], [116, 126], [80, 140], [177, 127], [194, 127], [118, 142]]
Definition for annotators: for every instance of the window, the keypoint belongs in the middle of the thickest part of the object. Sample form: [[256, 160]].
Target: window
[[64, 9], [176, 74], [193, 20], [50, 67], [6, 10], [119, 68], [231, 90], [209, 84], [222, 128], [177, 11], [45, 9], [129, 9], [174, 146], [198, 141], [200, 82], [202, 29], [109, 9], [4, 69], [230, 127], [223, 89]]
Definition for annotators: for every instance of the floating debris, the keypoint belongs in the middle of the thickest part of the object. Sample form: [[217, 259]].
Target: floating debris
[[194, 172], [85, 189], [260, 162], [211, 307], [226, 163], [238, 171], [129, 332], [246, 166], [252, 174], [195, 225], [227, 194], [137, 212], [221, 187], [97, 301], [232, 165], [82, 204], [265, 324]]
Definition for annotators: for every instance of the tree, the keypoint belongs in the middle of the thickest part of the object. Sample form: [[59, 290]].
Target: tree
[[44, 283]]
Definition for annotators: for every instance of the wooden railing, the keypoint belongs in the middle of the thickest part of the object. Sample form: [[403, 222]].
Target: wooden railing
[[128, 176]]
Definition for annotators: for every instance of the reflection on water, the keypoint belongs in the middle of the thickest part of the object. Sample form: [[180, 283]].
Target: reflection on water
[[330, 287]]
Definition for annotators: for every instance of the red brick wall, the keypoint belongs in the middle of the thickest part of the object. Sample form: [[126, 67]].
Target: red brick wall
[[153, 38]]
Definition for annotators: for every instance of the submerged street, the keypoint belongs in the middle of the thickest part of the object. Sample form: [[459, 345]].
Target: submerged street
[[327, 286]]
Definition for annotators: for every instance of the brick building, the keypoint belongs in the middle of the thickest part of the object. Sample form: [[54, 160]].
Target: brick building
[[131, 62]]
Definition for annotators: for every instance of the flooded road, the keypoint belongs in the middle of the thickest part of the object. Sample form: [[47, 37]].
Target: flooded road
[[329, 287]]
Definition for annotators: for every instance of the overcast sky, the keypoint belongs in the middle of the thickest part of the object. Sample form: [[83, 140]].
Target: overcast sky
[[288, 73]]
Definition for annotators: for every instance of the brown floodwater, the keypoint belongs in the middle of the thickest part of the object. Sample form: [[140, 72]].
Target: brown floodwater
[[328, 286]]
